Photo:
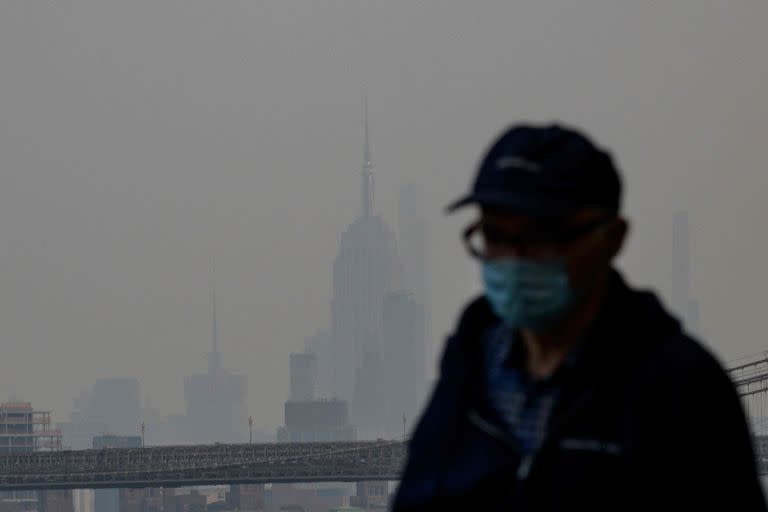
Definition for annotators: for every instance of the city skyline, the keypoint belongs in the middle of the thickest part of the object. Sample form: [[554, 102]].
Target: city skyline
[[378, 324], [138, 141]]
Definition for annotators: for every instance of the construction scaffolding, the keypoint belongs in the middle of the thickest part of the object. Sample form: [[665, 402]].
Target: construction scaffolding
[[22, 429]]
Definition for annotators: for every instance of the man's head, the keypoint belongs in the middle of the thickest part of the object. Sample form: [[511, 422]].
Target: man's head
[[550, 226]]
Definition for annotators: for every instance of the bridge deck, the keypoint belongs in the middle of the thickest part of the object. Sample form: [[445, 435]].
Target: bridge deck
[[174, 466]]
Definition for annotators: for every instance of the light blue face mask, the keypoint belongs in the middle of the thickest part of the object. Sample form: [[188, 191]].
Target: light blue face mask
[[528, 294]]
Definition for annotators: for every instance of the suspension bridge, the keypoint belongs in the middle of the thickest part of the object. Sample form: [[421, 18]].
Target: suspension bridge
[[750, 376], [351, 461], [174, 466]]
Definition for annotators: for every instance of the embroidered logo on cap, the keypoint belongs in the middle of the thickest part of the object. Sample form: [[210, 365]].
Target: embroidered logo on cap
[[515, 162]]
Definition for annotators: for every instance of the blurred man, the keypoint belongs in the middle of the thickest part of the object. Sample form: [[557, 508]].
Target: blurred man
[[562, 387]]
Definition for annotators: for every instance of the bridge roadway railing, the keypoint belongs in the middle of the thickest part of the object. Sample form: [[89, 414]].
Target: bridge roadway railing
[[173, 466], [169, 466]]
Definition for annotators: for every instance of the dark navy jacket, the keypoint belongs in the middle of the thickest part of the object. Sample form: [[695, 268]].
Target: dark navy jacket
[[651, 422]]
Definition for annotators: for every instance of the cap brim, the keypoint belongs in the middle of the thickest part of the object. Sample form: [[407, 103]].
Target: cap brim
[[460, 203], [540, 207]]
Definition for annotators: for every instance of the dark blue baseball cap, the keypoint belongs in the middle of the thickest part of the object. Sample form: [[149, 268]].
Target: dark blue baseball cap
[[546, 171]]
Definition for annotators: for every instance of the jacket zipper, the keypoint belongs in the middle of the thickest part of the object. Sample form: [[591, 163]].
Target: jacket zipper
[[490, 429], [524, 469], [524, 466], [527, 461]]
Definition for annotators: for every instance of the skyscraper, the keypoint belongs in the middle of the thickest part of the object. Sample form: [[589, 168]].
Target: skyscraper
[[110, 406], [215, 400], [681, 301], [412, 241], [321, 345], [303, 376], [364, 271], [412, 244], [404, 358], [115, 402], [681, 273], [306, 417]]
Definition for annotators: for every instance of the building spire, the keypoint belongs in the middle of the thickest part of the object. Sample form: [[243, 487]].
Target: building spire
[[367, 182], [367, 142], [213, 357]]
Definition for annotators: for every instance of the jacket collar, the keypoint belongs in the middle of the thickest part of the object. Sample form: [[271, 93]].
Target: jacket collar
[[628, 323]]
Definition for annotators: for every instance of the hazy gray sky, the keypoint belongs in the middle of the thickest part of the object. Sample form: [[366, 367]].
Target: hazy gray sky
[[139, 139]]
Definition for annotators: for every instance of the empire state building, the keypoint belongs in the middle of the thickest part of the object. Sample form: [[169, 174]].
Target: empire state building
[[364, 272]]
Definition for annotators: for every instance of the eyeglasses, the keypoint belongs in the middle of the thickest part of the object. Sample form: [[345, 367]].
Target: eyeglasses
[[478, 237]]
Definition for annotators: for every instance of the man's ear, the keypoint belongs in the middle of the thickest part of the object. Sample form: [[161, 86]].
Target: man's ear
[[616, 235], [598, 252]]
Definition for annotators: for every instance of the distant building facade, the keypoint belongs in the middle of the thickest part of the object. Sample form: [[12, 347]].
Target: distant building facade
[[303, 373], [308, 419], [194, 501], [374, 355], [321, 344], [681, 300], [246, 497], [116, 403], [25, 430], [216, 409], [319, 497], [83, 500], [111, 406], [404, 326], [215, 402], [316, 420], [412, 241], [371, 496], [112, 500], [412, 245], [379, 308], [364, 271]]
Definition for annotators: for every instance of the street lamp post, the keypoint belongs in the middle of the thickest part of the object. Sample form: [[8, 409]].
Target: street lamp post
[[250, 429]]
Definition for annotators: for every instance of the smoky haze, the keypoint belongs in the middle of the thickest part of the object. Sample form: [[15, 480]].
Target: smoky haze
[[139, 140]]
